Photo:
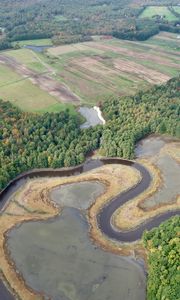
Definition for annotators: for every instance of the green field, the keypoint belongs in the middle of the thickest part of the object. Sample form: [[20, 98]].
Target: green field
[[38, 42], [27, 96], [28, 58], [151, 11], [94, 71]]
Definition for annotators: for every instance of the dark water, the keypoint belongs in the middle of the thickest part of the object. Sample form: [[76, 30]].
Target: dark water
[[4, 293], [104, 217], [38, 49]]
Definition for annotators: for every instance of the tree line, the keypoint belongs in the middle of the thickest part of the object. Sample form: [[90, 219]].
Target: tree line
[[68, 21], [55, 140], [39, 141], [131, 118]]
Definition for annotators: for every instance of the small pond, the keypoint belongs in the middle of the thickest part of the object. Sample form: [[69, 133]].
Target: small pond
[[37, 48], [91, 116]]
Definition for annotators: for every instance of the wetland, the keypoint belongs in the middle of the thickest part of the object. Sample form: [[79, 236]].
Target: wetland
[[59, 258]]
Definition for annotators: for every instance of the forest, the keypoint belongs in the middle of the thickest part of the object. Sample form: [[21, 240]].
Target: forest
[[163, 245], [38, 141], [29, 140], [72, 21], [131, 118]]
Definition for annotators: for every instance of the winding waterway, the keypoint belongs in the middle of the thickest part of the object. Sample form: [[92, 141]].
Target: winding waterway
[[101, 268]]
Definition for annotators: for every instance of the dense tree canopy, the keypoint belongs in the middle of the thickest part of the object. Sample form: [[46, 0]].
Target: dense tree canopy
[[33, 141], [131, 118], [55, 140], [163, 245], [69, 21]]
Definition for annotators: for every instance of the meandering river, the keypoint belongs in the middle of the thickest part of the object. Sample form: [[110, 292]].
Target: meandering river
[[57, 256]]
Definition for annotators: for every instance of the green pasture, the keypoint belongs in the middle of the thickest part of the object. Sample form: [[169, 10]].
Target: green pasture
[[151, 11], [27, 96], [29, 58], [38, 42]]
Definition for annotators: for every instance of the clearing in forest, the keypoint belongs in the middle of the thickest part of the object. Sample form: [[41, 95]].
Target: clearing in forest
[[158, 11]]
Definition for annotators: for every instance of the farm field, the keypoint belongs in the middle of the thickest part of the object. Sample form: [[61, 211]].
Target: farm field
[[24, 94], [38, 42], [87, 73], [120, 68], [152, 11]]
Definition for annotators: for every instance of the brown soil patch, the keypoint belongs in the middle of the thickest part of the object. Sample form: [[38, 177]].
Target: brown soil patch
[[64, 49], [43, 80], [94, 65], [94, 69], [142, 72], [161, 57], [167, 36]]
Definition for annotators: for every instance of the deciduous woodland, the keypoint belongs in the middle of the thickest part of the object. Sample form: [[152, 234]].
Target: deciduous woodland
[[35, 141], [131, 118], [55, 140], [163, 245], [72, 21], [31, 140]]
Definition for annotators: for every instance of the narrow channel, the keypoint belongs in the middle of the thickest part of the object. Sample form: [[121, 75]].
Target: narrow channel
[[104, 217]]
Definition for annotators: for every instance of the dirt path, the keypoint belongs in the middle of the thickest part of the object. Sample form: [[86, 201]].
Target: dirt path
[[43, 80]]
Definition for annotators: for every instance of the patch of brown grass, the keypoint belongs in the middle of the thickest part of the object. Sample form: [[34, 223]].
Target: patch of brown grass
[[172, 149]]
